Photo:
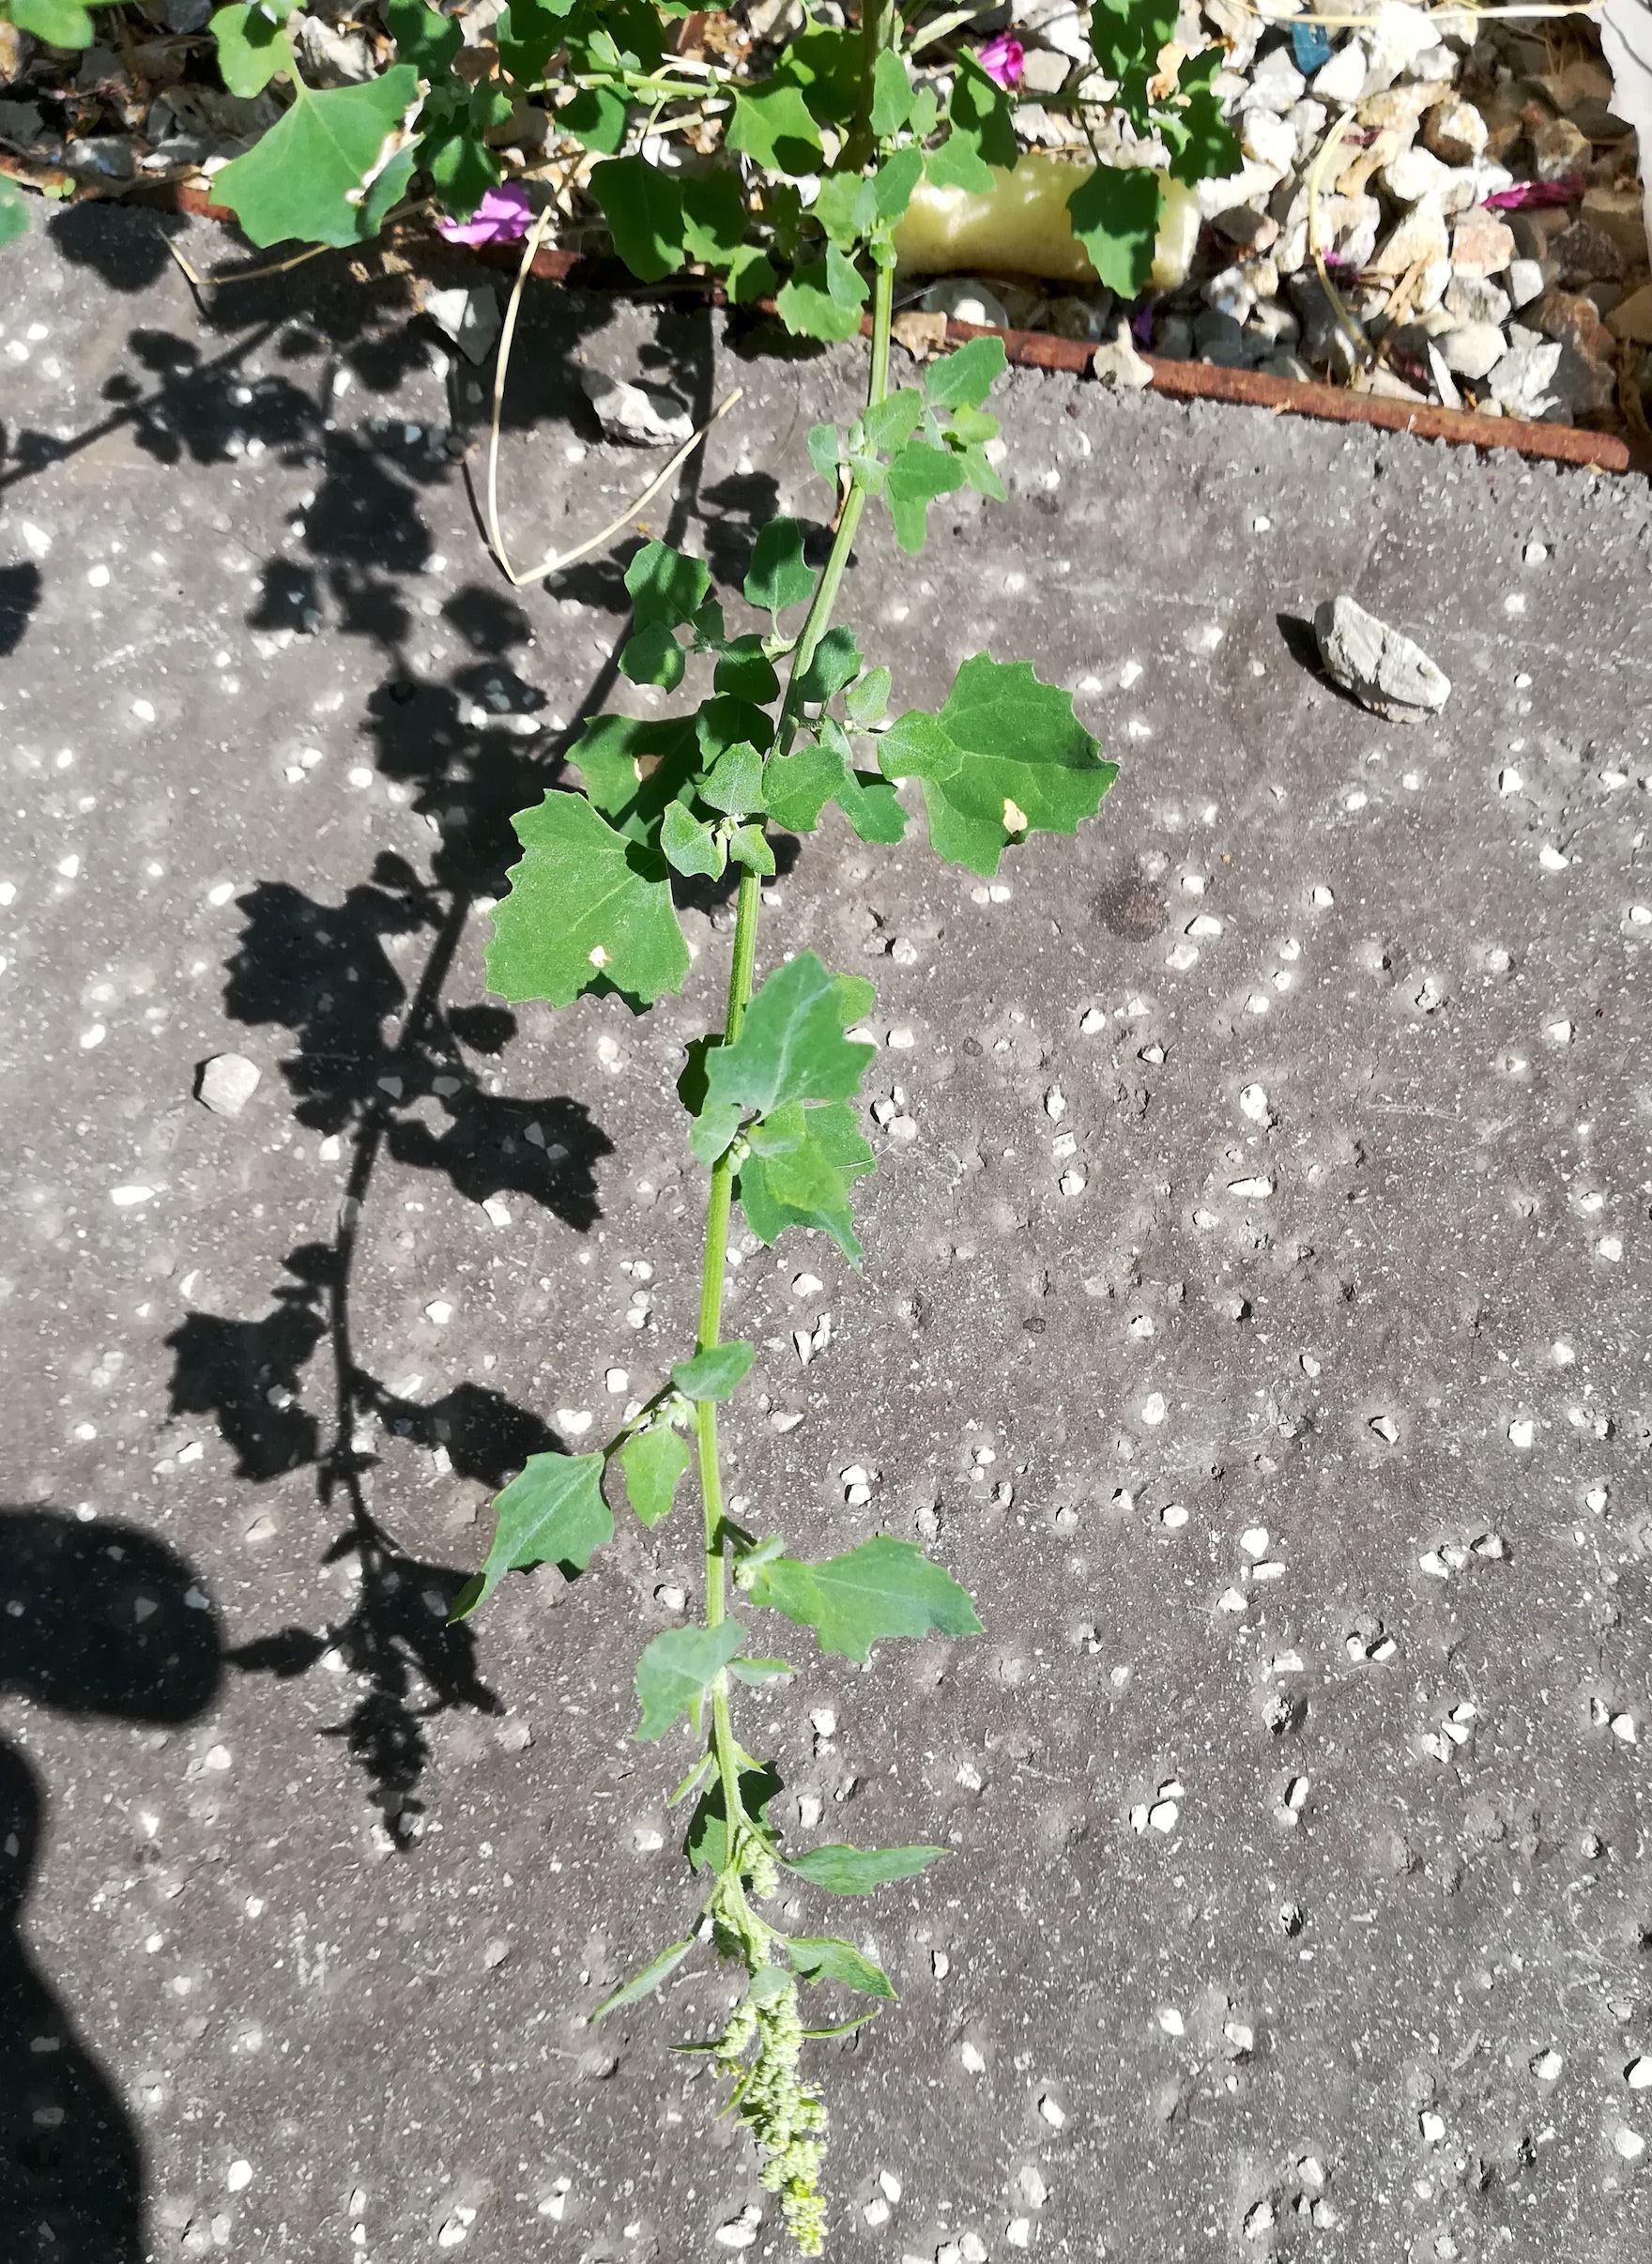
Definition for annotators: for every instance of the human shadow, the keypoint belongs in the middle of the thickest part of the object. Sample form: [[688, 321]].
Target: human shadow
[[99, 1619]]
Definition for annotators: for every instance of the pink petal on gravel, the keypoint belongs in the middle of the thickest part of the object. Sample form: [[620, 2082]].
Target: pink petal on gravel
[[502, 217], [1526, 193], [1003, 59]]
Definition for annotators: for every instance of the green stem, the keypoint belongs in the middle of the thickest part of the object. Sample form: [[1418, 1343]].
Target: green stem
[[741, 971]]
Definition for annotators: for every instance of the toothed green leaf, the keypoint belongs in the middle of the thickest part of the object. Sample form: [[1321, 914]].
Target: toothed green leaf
[[553, 1514], [824, 298], [1114, 214], [305, 178], [790, 1046], [643, 208], [778, 576], [883, 1588], [585, 906], [716, 1373], [802, 1165], [824, 1957], [1004, 758]]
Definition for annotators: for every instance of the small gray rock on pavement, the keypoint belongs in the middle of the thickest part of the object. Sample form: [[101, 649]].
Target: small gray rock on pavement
[[641, 415], [1384, 671], [226, 1084], [470, 317]]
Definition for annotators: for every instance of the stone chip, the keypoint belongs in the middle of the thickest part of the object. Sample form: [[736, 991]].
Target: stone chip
[[1384, 669]]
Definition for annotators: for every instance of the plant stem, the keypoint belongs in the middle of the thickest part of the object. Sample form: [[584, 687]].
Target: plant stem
[[741, 972]]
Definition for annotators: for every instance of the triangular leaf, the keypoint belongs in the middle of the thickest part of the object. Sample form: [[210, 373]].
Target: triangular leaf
[[809, 1184], [872, 807], [824, 1957], [749, 848], [798, 787], [735, 782], [892, 95], [654, 1462], [745, 670], [885, 1588], [716, 1373], [790, 1046], [644, 1983], [305, 176], [252, 48], [423, 37], [713, 216], [834, 661], [654, 656], [778, 576], [760, 1671], [841, 1870], [1005, 757], [690, 844], [553, 1514], [585, 906], [771, 124], [666, 586], [676, 1670]]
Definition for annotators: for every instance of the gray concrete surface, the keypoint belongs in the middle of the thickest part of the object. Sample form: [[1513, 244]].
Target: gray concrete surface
[[1297, 1460]]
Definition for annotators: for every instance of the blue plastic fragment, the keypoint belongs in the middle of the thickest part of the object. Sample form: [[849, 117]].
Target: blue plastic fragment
[[1311, 43]]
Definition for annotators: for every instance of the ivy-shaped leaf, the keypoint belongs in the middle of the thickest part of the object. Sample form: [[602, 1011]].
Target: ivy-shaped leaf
[[664, 584], [778, 576], [982, 133], [676, 1670], [823, 297], [1114, 211], [790, 1046], [643, 208], [825, 1957], [842, 1870], [734, 784], [654, 1462], [1004, 758], [892, 95], [307, 176], [834, 661], [801, 1166], [797, 786], [644, 1983], [252, 48], [585, 906], [553, 1514], [772, 125], [745, 670], [883, 1588]]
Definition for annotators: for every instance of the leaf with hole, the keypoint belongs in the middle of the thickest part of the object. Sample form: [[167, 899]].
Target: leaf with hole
[[842, 1870], [676, 1672], [586, 905], [800, 1169], [716, 1373], [790, 1046], [634, 770], [654, 1462], [553, 1514], [1004, 758], [825, 1957], [883, 1588], [308, 177], [644, 1983], [643, 208]]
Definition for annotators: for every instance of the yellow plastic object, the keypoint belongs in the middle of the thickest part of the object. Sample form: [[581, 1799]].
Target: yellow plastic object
[[1020, 226]]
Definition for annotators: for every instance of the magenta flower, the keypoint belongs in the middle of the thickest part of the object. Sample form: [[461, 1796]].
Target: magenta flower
[[1003, 59], [503, 217]]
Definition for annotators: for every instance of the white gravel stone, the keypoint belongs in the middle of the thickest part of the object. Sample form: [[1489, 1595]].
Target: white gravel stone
[[1474, 349], [640, 415]]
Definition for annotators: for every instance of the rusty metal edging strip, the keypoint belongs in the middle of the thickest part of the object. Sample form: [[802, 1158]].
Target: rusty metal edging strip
[[1189, 380]]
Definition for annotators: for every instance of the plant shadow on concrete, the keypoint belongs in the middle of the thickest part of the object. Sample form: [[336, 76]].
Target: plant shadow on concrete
[[101, 1620], [388, 1066]]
